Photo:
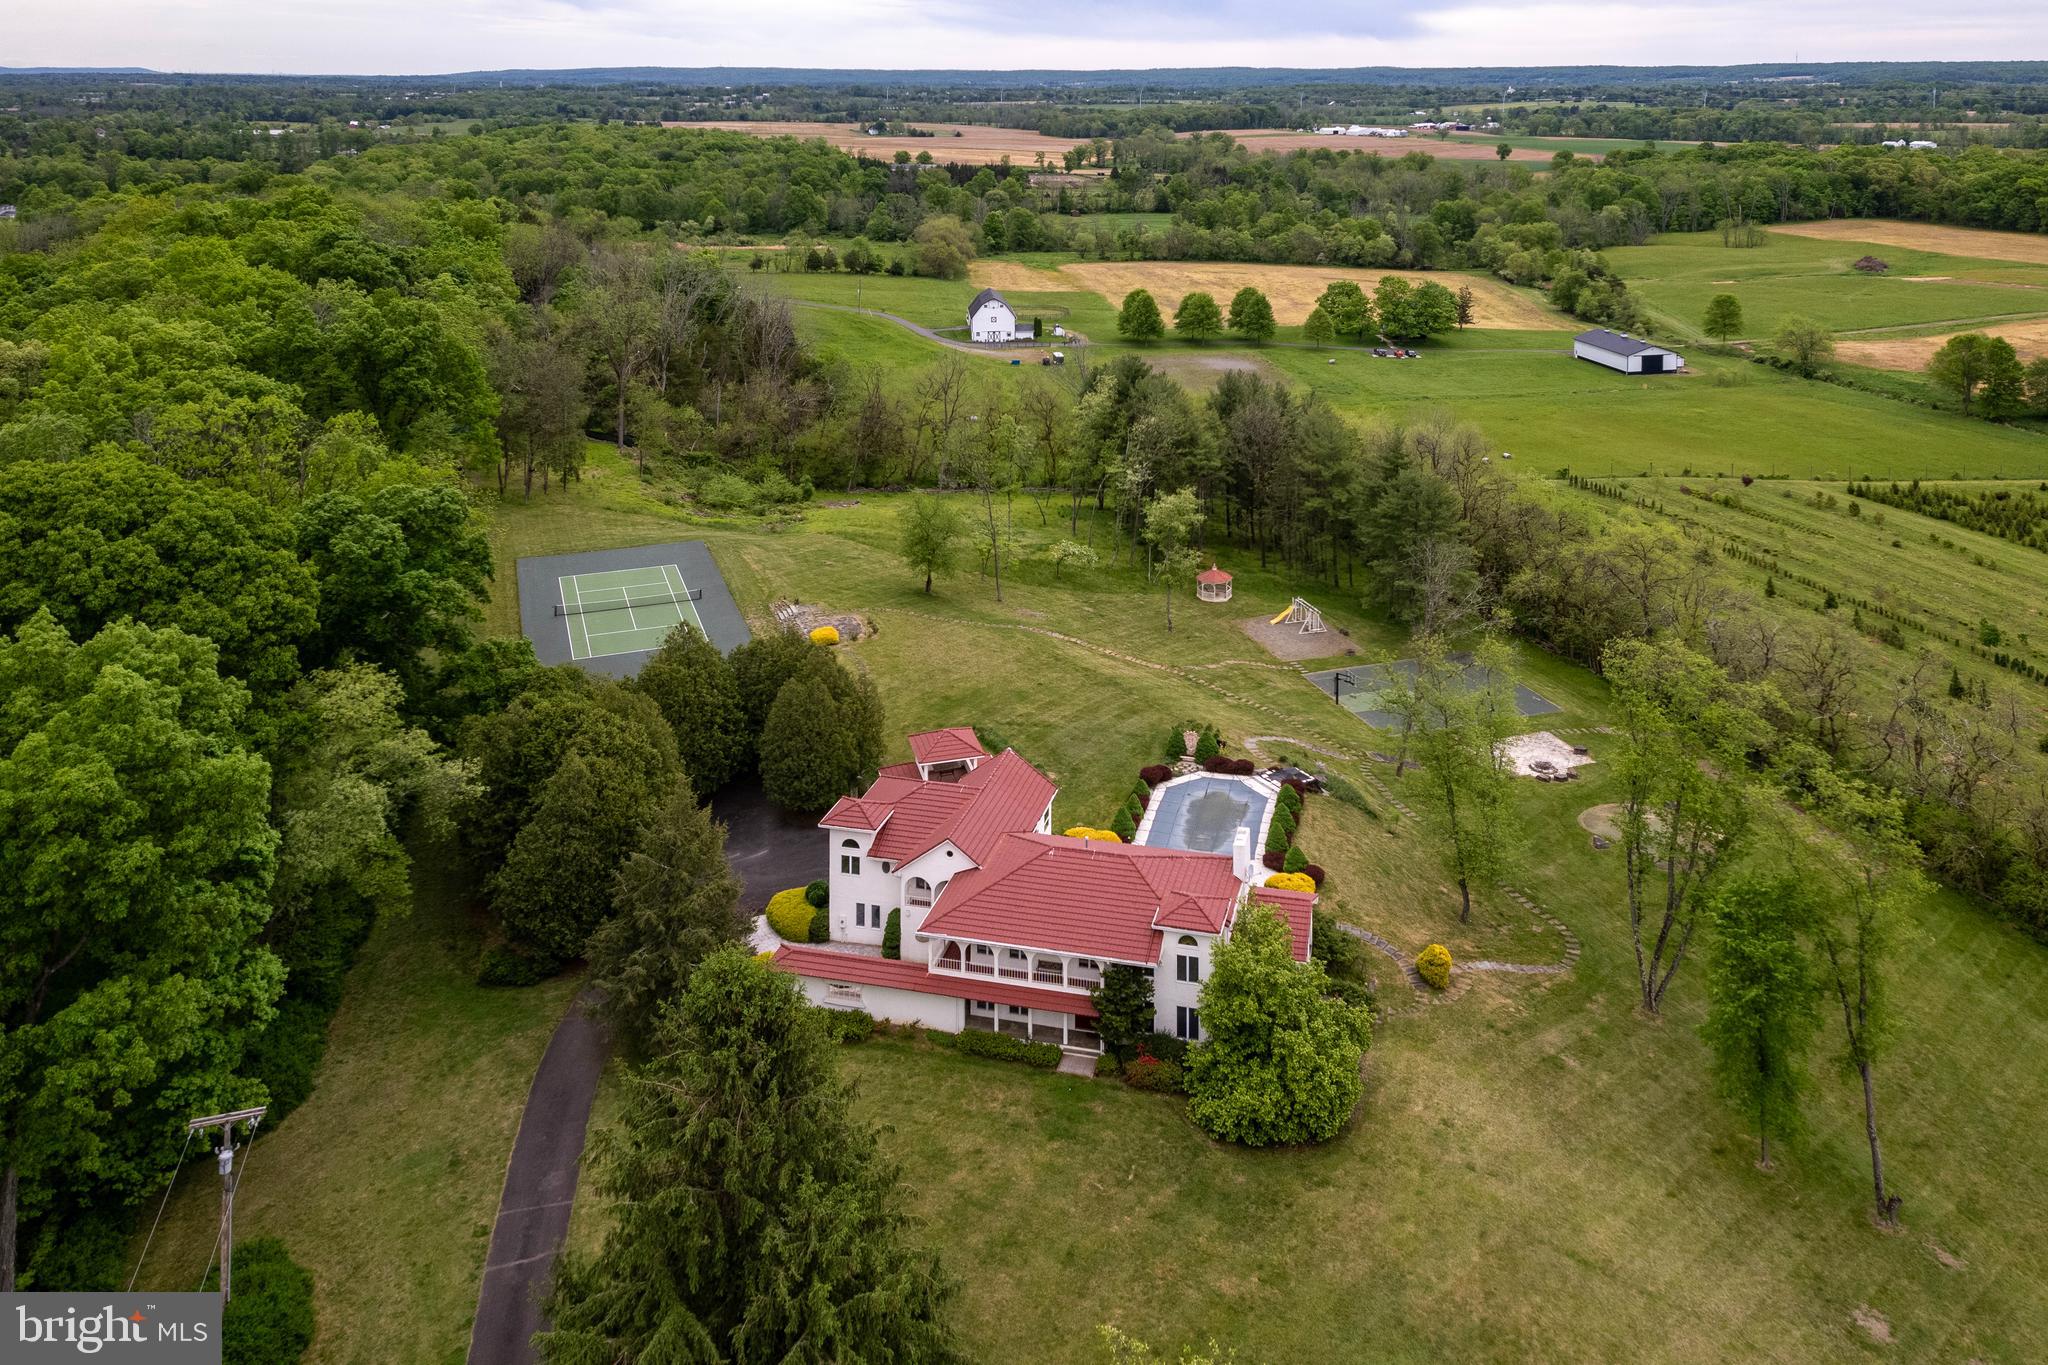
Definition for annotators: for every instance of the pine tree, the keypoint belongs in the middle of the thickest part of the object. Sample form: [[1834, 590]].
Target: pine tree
[[806, 755], [690, 680], [753, 1215], [675, 902], [1123, 1004]]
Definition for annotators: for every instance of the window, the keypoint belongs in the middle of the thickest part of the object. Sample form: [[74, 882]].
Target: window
[[1187, 1023], [849, 863], [860, 916], [1020, 1011], [1187, 967]]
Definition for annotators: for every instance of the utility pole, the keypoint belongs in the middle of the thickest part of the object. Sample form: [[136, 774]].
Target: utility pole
[[229, 1178]]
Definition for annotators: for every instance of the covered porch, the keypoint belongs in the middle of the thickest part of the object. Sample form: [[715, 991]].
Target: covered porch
[[1073, 1031]]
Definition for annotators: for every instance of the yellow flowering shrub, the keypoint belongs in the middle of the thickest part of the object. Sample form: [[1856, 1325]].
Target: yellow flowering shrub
[[1101, 836], [789, 914], [825, 635], [1433, 964], [1292, 881]]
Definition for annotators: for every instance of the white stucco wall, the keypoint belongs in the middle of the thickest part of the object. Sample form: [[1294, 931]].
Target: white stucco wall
[[891, 1004], [1169, 993], [871, 886]]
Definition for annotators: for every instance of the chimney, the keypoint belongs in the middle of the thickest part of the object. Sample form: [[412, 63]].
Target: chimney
[[1241, 853]]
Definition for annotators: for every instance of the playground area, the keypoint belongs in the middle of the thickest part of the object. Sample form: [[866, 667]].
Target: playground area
[[1362, 689], [1296, 633], [609, 609]]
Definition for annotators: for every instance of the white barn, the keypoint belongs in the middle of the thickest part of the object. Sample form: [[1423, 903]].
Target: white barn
[[1620, 351], [989, 318]]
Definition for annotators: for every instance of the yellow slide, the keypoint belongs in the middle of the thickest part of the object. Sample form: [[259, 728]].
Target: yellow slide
[[1284, 613]]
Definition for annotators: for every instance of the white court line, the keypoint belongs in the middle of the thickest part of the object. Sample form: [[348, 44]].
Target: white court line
[[566, 588]]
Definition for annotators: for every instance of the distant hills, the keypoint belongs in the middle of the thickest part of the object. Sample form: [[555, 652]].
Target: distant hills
[[1179, 78]]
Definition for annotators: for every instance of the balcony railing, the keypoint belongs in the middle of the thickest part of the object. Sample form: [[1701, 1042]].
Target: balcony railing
[[1048, 976], [980, 969]]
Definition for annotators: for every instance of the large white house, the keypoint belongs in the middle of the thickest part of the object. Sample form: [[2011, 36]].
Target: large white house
[[1004, 925], [989, 318]]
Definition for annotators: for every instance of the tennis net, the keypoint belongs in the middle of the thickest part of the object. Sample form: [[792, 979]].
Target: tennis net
[[664, 600]]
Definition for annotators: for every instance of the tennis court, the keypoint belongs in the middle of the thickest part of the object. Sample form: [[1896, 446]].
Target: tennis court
[[622, 611], [609, 610], [1362, 690]]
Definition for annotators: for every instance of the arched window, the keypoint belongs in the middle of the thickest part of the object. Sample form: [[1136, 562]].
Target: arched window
[[849, 843], [1187, 940], [920, 892], [1187, 966], [849, 863]]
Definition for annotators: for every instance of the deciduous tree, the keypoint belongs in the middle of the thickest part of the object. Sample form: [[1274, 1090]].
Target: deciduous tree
[[1804, 344], [1251, 315], [1198, 318], [1724, 316], [1138, 319], [1761, 1001], [690, 680]]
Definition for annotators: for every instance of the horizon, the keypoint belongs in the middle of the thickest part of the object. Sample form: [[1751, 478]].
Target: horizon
[[237, 38]]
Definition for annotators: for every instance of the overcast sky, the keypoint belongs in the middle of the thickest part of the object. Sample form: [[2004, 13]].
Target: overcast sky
[[419, 36]]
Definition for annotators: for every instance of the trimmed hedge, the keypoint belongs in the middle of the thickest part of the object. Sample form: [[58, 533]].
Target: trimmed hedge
[[818, 893], [821, 925], [269, 1321], [1291, 881], [790, 913], [1123, 827], [848, 1026], [1106, 1065], [1294, 860], [1314, 872], [1273, 859], [1152, 774], [892, 936], [1237, 767], [1155, 1074], [1102, 836], [1433, 965], [825, 635], [1002, 1047], [1276, 840], [1290, 798]]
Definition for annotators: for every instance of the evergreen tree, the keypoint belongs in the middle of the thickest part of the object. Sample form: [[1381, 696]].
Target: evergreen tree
[[807, 757], [1251, 315], [1124, 1009], [690, 681], [754, 1218], [759, 669], [1761, 999], [675, 902], [1281, 1061]]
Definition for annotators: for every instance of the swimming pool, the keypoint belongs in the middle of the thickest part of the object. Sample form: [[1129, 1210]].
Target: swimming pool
[[1203, 812]]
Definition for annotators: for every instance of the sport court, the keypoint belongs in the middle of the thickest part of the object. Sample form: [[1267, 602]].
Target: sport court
[[1362, 690], [607, 611], [622, 611]]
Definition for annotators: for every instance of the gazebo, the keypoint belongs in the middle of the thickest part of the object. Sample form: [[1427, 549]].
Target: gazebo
[[1212, 585]]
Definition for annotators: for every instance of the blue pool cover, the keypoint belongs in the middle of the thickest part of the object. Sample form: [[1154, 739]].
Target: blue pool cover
[[1203, 813]]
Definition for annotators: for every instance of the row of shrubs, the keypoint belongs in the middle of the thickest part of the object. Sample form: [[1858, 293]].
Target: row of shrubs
[[1159, 1066], [857, 1026], [1208, 742]]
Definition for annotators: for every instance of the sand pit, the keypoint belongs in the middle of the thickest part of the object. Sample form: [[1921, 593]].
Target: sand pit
[[1292, 289], [1982, 243], [1542, 754], [2029, 338], [1287, 642]]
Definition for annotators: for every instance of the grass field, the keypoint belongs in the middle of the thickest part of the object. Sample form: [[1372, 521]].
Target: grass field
[[1944, 578], [1292, 289], [976, 144], [1536, 1173], [1984, 243], [1911, 353], [385, 1182], [1794, 275]]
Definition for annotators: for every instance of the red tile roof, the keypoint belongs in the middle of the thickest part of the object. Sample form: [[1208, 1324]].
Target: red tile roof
[[1212, 574], [1003, 795], [859, 968], [945, 746], [1080, 896], [908, 770], [1297, 908]]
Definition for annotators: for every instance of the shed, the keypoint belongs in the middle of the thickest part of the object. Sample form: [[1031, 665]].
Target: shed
[[990, 318], [1213, 584], [1620, 351]]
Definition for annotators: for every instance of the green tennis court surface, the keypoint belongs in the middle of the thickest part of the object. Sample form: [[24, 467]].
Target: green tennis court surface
[[624, 611]]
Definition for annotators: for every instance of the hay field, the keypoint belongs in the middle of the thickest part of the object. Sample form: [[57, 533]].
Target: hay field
[[1293, 289], [1289, 140], [2029, 338], [1982, 243], [976, 145]]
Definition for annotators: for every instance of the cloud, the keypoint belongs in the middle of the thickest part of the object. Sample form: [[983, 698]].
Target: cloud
[[424, 36]]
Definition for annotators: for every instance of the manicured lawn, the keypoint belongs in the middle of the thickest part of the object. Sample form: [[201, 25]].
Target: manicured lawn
[[385, 1182], [1678, 272], [1535, 1172]]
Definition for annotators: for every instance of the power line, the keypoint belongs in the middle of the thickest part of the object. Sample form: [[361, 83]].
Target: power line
[[224, 1239], [169, 1185]]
